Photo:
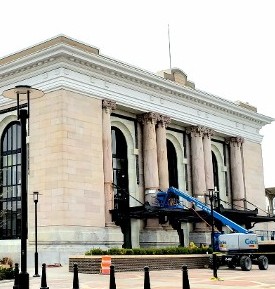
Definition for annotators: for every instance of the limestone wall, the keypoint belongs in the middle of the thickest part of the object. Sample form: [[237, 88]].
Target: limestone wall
[[254, 178], [66, 163]]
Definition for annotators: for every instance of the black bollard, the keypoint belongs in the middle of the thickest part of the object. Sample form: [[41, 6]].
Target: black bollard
[[75, 281], [146, 278], [185, 280], [44, 278], [16, 272], [112, 278]]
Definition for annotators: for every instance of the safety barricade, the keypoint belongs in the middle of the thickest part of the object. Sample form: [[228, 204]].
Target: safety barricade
[[105, 265]]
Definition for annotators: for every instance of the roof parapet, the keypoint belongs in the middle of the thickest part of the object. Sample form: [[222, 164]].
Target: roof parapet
[[176, 75], [246, 105]]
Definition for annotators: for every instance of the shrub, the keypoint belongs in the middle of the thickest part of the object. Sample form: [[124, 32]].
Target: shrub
[[6, 273], [96, 251], [115, 251], [137, 251], [128, 252], [151, 251]]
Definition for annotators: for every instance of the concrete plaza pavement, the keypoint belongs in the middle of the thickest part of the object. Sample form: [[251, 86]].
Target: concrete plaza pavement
[[61, 278]]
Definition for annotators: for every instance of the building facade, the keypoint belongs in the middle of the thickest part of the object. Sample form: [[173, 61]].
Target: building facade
[[105, 138]]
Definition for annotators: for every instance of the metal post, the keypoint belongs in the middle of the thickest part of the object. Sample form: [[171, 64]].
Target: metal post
[[23, 276], [16, 272], [75, 279], [112, 284], [23, 115], [211, 198], [146, 278], [185, 279], [44, 278], [35, 199]]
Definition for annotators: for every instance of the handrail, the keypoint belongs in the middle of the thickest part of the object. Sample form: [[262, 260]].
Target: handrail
[[227, 222]]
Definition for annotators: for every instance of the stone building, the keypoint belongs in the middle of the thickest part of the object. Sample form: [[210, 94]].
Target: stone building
[[105, 138]]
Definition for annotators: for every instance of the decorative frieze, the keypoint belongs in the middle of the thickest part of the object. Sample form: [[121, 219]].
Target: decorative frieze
[[95, 70]]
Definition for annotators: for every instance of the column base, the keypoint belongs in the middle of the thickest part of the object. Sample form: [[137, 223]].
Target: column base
[[201, 227], [150, 237], [200, 238], [23, 280]]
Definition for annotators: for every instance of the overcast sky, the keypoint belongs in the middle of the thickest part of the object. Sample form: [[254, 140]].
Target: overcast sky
[[226, 47]]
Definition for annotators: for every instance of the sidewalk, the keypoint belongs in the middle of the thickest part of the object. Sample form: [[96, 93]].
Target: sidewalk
[[60, 278]]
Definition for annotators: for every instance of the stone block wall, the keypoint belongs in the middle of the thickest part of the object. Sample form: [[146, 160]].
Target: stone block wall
[[92, 264]]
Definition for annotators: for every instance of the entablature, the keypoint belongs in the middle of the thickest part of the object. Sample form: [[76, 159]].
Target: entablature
[[64, 66]]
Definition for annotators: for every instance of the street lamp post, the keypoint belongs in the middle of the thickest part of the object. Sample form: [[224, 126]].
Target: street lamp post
[[23, 93], [214, 256], [35, 199]]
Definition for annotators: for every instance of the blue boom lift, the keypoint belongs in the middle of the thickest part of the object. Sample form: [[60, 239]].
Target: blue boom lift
[[236, 249]]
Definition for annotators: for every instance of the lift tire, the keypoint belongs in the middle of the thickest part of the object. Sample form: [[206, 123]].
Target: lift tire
[[263, 262], [246, 263]]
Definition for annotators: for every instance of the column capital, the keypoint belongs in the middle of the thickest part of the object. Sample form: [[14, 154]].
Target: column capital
[[164, 120], [208, 132], [148, 117], [235, 141], [195, 130], [108, 105]]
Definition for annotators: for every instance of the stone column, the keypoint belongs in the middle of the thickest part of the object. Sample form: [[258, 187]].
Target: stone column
[[198, 175], [150, 160], [162, 152], [270, 202], [107, 106], [197, 158], [208, 164], [236, 166]]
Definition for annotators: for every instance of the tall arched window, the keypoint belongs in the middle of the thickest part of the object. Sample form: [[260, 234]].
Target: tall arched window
[[215, 171], [120, 162], [172, 165], [121, 187], [10, 205]]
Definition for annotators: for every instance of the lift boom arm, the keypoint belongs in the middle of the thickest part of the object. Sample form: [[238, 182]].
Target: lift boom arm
[[216, 215]]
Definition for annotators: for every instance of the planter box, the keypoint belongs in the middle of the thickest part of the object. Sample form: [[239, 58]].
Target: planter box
[[123, 263]]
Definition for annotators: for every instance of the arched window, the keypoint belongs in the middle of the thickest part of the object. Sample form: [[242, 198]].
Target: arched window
[[10, 202], [120, 162], [120, 179], [172, 165], [215, 171]]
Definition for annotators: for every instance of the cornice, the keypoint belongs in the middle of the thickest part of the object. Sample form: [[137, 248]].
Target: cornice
[[119, 80]]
